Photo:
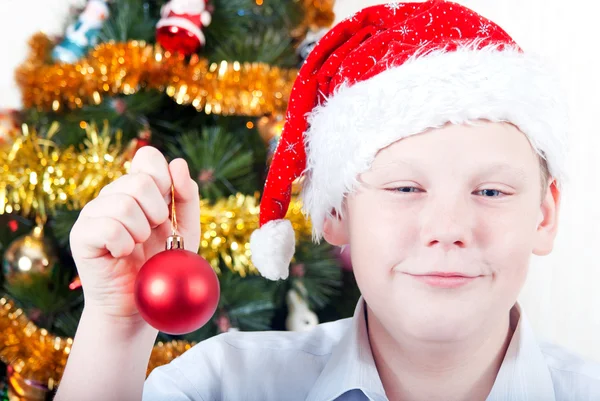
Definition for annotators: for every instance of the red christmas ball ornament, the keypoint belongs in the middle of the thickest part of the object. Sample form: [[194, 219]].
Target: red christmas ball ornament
[[177, 40], [179, 29], [177, 291]]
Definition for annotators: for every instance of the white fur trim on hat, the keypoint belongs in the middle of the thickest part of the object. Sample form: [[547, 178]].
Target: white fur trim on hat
[[184, 24], [273, 247], [184, 7], [427, 91]]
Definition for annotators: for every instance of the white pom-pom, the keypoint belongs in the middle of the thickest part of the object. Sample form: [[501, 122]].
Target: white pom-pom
[[205, 18], [273, 247]]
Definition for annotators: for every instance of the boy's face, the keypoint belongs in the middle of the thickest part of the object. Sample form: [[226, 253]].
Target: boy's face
[[459, 199]]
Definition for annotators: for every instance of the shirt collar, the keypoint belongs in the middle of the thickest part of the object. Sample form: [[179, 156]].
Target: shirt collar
[[351, 365], [524, 374]]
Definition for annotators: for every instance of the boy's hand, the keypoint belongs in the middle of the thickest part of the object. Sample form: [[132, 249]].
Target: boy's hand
[[128, 223]]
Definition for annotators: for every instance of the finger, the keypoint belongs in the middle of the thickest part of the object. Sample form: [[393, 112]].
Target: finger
[[150, 161], [187, 198], [93, 237], [124, 209], [143, 189]]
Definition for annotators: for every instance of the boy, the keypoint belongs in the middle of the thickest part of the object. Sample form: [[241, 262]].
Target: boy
[[435, 147]]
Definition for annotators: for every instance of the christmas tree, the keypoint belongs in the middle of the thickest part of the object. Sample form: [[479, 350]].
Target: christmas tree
[[204, 82]]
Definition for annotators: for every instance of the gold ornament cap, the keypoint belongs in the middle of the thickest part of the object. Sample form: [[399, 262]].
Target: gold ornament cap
[[174, 242]]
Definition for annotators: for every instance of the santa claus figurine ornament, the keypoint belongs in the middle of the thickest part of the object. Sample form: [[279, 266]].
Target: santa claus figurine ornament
[[180, 28], [388, 72], [83, 34]]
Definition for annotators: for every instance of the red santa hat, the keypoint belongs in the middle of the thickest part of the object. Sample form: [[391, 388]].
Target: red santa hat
[[388, 72]]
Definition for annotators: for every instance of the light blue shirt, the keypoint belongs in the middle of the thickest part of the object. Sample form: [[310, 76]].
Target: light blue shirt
[[333, 361]]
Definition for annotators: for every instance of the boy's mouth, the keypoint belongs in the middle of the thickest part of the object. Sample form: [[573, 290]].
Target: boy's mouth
[[444, 279]]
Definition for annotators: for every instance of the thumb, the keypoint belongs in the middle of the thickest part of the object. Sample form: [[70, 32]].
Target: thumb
[[187, 204]]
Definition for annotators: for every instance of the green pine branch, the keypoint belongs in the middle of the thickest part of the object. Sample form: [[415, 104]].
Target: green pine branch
[[243, 31], [321, 273], [47, 299], [130, 20], [218, 162], [62, 222], [266, 45], [126, 113], [343, 304], [248, 301]]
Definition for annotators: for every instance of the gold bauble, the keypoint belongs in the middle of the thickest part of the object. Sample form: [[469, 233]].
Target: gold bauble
[[27, 255], [270, 128]]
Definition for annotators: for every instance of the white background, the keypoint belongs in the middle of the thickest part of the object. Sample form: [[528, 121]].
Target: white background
[[562, 294]]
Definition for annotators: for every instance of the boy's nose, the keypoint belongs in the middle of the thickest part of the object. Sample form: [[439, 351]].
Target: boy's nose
[[446, 225]]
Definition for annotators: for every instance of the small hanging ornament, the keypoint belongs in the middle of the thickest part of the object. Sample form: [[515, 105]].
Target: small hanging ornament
[[10, 121], [28, 255], [270, 128], [224, 324], [300, 317], [119, 106], [21, 389], [317, 14], [75, 284], [179, 29], [143, 138], [13, 225], [82, 35], [176, 291], [309, 43]]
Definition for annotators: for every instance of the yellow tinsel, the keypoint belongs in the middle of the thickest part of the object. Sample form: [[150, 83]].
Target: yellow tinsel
[[40, 356], [227, 88], [227, 225], [36, 175], [163, 353]]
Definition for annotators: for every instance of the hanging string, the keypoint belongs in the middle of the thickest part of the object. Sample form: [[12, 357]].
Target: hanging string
[[173, 214]]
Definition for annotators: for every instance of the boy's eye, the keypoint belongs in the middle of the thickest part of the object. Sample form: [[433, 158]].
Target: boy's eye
[[404, 189], [488, 193], [491, 193]]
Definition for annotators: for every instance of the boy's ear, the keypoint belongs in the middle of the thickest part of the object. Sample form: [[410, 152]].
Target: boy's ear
[[335, 230], [548, 221]]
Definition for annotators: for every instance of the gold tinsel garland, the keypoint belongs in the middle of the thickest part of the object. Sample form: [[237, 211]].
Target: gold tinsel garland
[[40, 356], [36, 175], [32, 352], [227, 88], [226, 227]]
